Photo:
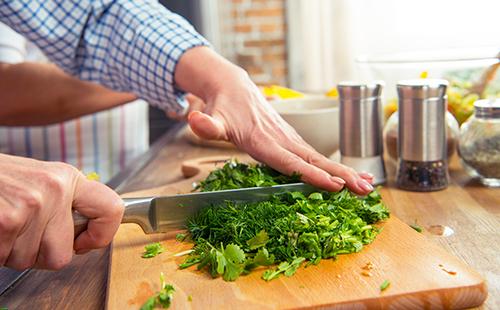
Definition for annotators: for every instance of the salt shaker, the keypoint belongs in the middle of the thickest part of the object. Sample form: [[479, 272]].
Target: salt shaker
[[361, 144], [422, 164]]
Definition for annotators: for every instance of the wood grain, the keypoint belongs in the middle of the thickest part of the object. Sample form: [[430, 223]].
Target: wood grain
[[416, 268]]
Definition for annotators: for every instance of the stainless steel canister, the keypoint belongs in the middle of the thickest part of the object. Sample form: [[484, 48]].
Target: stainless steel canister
[[422, 125], [422, 164], [361, 144]]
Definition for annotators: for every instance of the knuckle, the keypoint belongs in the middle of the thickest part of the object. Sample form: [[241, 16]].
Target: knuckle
[[53, 183], [33, 200], [22, 264], [314, 158], [117, 208], [9, 222], [58, 263], [291, 163]]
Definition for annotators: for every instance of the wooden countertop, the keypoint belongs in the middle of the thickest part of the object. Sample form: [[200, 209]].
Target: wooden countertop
[[468, 209]]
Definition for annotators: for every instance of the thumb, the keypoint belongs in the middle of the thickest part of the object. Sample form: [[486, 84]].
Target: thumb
[[206, 126]]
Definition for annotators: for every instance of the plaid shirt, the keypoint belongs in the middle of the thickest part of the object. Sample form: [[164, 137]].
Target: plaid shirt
[[126, 45]]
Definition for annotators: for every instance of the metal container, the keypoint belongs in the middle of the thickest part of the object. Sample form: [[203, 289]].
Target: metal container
[[422, 107], [361, 143], [422, 135]]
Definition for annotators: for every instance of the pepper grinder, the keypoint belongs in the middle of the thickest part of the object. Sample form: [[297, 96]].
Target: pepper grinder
[[422, 164], [361, 144]]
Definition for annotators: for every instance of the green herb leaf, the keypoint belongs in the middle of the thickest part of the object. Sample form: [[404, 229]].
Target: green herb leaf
[[153, 249], [384, 285], [161, 299], [259, 240], [190, 298], [180, 237], [416, 227]]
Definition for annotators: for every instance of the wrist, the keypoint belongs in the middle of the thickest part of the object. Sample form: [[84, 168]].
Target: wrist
[[206, 74]]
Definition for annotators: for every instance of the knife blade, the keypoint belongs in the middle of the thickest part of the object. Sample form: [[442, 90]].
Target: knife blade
[[169, 213]]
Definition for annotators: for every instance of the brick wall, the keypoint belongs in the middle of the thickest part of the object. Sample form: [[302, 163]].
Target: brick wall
[[253, 36]]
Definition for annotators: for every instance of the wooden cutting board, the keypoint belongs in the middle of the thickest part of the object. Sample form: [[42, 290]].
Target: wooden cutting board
[[422, 275]]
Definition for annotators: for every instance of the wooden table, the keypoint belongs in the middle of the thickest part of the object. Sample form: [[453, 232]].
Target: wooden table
[[469, 209]]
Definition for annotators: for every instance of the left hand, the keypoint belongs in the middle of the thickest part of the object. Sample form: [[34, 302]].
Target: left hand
[[235, 110]]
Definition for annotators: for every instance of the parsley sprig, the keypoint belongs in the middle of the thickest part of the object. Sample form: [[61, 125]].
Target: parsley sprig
[[161, 299], [152, 250]]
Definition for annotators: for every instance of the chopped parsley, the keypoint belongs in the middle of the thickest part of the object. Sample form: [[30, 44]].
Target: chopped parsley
[[235, 175], [288, 229], [161, 299], [417, 227], [152, 250], [384, 285], [180, 237], [281, 233]]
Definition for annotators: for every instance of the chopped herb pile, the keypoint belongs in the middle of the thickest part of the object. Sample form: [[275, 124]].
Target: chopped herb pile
[[287, 230], [384, 285], [161, 299], [238, 175], [152, 250]]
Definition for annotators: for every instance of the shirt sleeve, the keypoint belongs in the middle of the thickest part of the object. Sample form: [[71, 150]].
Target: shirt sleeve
[[126, 45], [12, 46]]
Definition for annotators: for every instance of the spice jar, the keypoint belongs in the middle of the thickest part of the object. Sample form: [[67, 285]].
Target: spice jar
[[479, 143], [391, 135], [422, 164]]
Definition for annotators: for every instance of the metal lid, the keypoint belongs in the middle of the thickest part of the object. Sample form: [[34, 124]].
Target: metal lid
[[360, 119], [487, 108], [360, 90], [422, 108], [422, 88]]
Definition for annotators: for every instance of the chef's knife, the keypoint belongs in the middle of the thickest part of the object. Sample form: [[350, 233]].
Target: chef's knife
[[168, 213]]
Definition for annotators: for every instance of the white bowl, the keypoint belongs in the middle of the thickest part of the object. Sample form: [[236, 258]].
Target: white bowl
[[315, 119]]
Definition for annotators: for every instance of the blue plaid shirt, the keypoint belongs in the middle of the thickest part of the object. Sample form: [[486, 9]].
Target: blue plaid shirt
[[126, 45]]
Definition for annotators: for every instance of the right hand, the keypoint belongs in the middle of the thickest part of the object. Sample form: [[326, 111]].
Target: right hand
[[36, 202]]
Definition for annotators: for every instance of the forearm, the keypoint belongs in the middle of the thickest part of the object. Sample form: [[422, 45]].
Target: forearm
[[41, 94]]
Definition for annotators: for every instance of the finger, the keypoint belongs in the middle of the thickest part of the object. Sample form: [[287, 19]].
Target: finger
[[24, 216], [206, 126], [354, 181], [367, 176], [56, 246], [103, 207], [288, 163], [9, 229], [25, 249]]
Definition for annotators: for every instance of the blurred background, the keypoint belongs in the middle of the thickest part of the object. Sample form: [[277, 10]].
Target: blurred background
[[311, 45]]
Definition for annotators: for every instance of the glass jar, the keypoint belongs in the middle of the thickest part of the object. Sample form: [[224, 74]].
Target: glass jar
[[479, 142], [391, 135]]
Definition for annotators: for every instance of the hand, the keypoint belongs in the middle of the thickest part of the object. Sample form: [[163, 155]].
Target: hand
[[236, 111], [36, 201]]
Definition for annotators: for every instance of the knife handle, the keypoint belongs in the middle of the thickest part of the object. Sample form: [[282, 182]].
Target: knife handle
[[137, 211]]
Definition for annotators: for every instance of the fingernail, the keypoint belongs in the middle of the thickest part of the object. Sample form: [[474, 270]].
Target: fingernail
[[365, 185], [367, 174], [338, 180]]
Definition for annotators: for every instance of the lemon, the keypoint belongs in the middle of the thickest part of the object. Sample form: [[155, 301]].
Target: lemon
[[281, 92], [333, 93]]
